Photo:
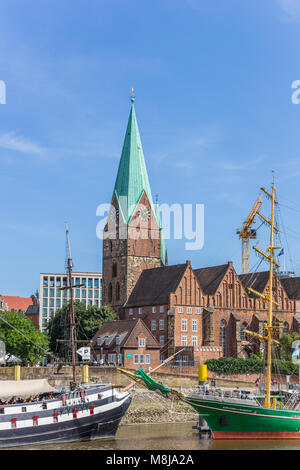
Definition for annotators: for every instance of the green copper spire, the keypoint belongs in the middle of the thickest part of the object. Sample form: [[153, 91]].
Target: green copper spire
[[132, 178]]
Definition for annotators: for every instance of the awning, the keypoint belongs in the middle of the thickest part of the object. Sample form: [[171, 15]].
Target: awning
[[24, 388]]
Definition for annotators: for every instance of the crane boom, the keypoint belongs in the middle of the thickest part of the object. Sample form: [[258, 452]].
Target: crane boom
[[246, 233]]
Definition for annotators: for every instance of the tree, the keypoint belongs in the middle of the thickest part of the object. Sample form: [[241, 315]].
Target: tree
[[285, 348], [22, 339], [88, 321]]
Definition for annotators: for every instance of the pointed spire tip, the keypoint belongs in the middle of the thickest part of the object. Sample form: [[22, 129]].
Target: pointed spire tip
[[132, 98]]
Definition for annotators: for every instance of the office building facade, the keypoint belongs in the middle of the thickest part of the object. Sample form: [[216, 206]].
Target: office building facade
[[87, 288]]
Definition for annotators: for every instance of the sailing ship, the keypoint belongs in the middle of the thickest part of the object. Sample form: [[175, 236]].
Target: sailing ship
[[237, 414], [34, 412]]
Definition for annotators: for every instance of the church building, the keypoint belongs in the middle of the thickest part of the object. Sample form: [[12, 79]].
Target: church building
[[203, 311], [133, 239]]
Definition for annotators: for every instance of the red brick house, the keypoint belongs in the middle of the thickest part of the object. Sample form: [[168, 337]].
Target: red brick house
[[171, 302], [206, 310], [127, 343], [27, 305], [18, 304]]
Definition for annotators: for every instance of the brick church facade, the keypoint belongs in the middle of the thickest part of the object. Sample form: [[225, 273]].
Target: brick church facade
[[205, 310], [132, 238]]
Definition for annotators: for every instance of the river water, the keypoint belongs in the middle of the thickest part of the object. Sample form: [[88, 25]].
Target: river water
[[169, 436]]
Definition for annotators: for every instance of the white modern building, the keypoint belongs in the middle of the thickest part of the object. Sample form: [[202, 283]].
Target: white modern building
[[87, 288]]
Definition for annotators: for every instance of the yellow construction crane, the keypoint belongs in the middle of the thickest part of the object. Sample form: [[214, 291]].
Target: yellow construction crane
[[247, 233]]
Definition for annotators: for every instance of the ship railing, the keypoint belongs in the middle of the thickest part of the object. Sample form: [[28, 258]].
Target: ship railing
[[221, 394], [292, 401]]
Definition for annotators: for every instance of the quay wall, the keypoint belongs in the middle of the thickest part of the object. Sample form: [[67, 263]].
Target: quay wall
[[171, 376]]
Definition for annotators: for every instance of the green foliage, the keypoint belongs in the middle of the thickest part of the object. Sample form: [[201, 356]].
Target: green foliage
[[284, 351], [231, 365], [253, 365], [284, 367], [88, 321], [22, 339]]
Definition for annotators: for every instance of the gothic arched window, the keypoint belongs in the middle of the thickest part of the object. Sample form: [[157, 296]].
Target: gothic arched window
[[265, 331], [110, 292], [223, 336], [114, 270], [118, 291], [243, 335]]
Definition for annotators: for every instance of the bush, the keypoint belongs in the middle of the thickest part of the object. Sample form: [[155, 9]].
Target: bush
[[253, 365]]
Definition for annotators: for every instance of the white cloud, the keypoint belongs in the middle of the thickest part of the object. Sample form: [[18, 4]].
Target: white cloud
[[244, 164], [10, 141], [291, 8]]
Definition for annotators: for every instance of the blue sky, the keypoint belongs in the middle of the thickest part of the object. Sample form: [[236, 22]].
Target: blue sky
[[212, 81]]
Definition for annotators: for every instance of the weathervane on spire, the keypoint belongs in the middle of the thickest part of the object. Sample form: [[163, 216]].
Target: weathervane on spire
[[132, 95]]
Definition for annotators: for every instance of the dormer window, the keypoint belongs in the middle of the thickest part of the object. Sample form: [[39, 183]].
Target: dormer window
[[142, 342]]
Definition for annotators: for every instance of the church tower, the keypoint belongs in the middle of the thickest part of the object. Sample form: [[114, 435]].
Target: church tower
[[133, 238]]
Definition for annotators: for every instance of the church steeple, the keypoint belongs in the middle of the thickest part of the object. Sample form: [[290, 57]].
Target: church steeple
[[132, 178], [137, 217]]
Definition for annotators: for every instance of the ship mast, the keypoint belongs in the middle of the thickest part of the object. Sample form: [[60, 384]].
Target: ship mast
[[72, 315], [271, 249], [269, 297]]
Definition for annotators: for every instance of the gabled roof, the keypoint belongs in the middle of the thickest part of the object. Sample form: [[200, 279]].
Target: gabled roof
[[155, 285], [256, 281], [211, 277], [126, 331], [112, 329], [32, 310], [17, 303], [291, 286]]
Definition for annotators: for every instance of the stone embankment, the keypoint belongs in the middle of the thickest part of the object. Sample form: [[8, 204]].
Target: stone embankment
[[151, 407]]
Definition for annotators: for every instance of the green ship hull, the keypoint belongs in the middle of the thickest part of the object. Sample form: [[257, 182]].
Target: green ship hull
[[241, 421]]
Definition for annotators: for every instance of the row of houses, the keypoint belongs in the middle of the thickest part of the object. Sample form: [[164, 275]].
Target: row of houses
[[205, 311]]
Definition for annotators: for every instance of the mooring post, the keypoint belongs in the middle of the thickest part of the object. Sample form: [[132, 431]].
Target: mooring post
[[17, 372], [85, 373]]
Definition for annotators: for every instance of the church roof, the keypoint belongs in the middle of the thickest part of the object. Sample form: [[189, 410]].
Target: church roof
[[256, 281], [132, 177], [155, 285], [211, 277], [292, 287]]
